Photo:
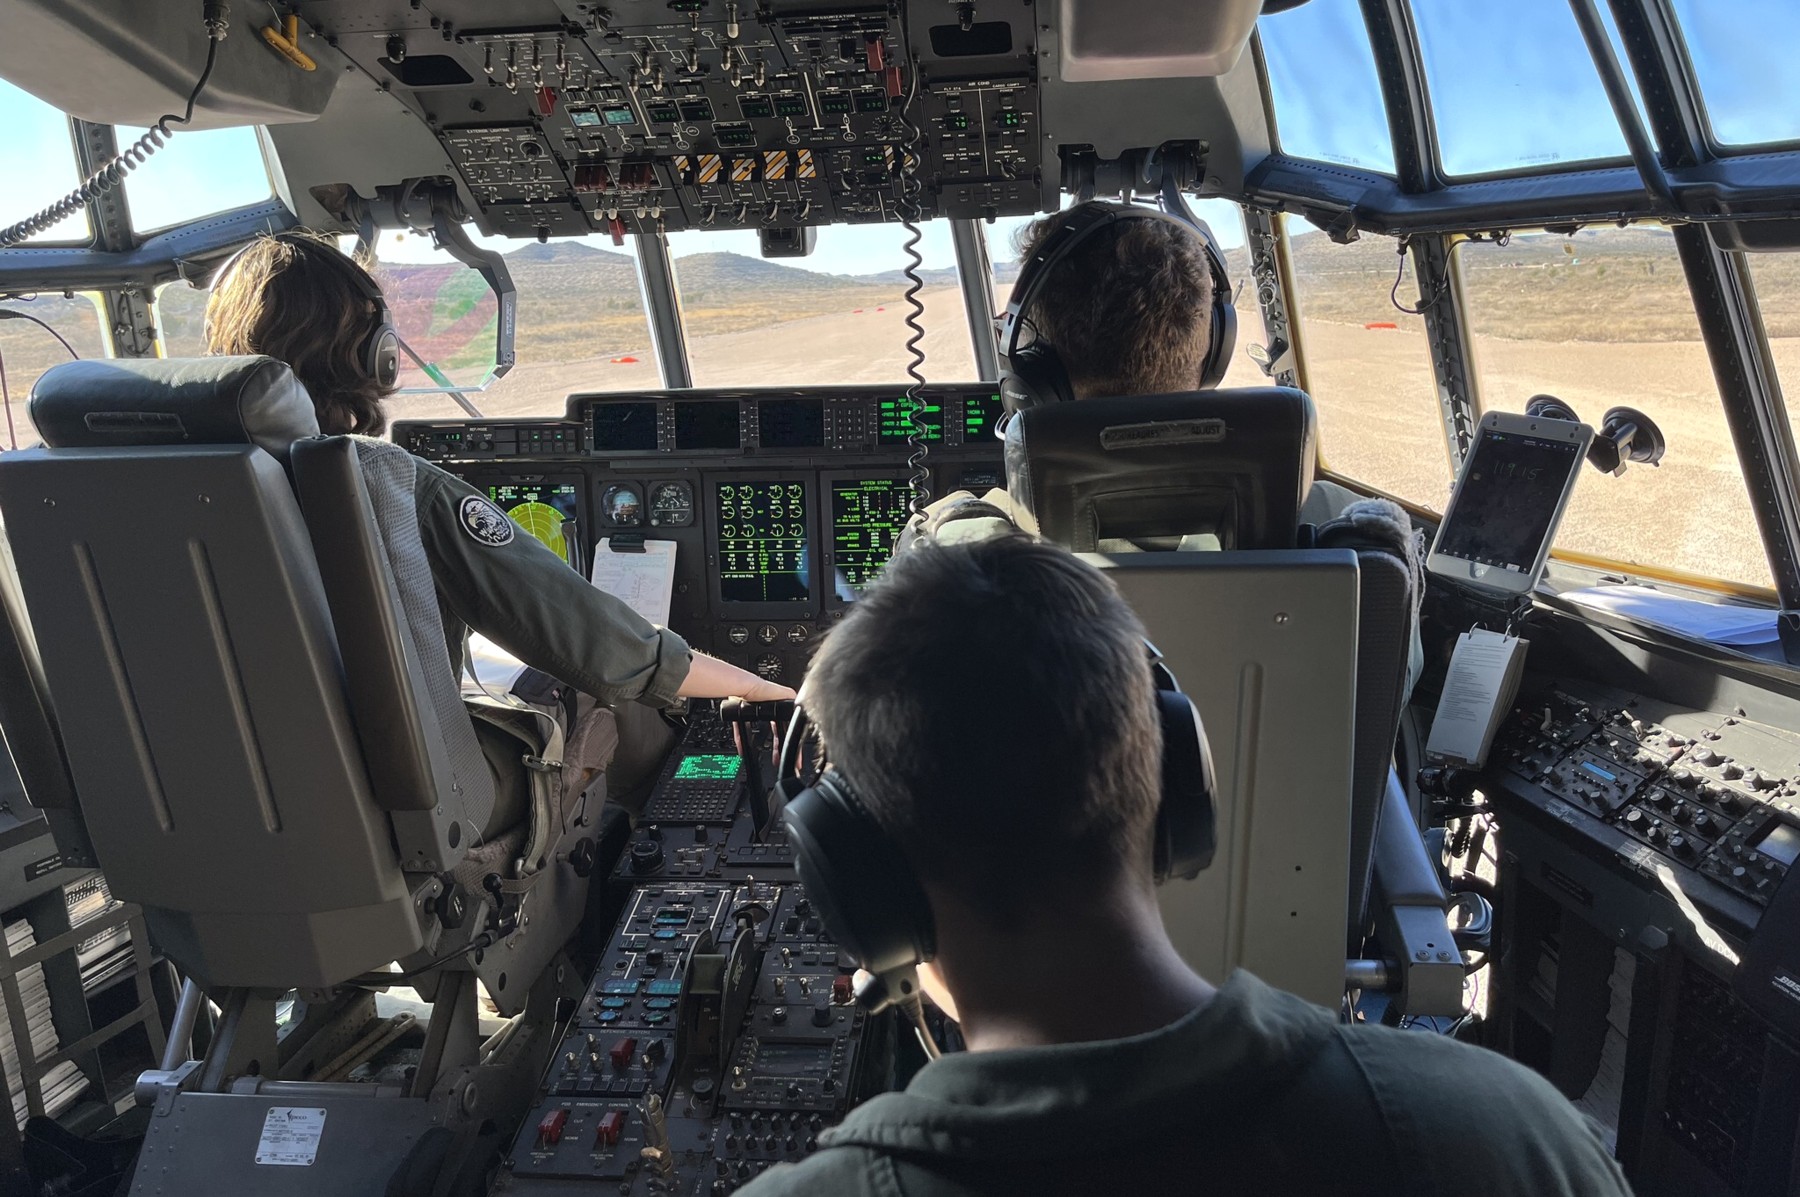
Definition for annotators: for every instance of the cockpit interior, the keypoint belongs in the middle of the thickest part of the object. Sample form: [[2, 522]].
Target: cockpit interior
[[1475, 547]]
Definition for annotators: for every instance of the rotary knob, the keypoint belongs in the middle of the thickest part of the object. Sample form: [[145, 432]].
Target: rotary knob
[[1703, 821], [1635, 820], [1705, 757], [1731, 771], [1681, 846]]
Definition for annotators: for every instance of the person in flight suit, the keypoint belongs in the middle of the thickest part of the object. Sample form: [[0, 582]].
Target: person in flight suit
[[989, 706], [294, 298]]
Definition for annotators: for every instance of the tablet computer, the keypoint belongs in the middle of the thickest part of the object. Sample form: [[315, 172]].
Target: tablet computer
[[1511, 494]]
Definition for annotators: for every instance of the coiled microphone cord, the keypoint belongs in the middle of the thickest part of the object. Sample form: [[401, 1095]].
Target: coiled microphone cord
[[111, 176]]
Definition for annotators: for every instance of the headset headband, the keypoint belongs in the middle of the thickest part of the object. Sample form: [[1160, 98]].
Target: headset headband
[[1046, 371]]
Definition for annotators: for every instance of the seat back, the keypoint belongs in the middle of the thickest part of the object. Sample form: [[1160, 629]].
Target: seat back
[[1265, 645], [189, 646], [1233, 464], [1383, 639], [28, 723], [1236, 464]]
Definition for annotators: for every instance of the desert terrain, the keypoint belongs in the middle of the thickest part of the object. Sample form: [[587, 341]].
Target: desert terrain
[[1600, 319]]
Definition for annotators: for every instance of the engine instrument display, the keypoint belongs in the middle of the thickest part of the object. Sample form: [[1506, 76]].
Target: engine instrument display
[[548, 511], [867, 515], [763, 532]]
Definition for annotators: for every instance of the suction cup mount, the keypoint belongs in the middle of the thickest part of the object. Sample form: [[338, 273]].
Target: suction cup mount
[[1625, 434]]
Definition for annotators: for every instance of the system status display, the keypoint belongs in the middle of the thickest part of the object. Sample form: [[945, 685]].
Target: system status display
[[895, 421], [544, 510], [866, 518], [763, 532]]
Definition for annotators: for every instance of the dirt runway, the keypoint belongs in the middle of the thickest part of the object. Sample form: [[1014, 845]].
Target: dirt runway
[[1377, 403]]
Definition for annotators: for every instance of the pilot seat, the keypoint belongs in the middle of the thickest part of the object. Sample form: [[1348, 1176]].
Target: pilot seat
[[1293, 642], [233, 621]]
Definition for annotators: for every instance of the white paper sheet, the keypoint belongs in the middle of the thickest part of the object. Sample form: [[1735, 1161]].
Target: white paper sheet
[[495, 670], [645, 581], [1478, 691], [1717, 623]]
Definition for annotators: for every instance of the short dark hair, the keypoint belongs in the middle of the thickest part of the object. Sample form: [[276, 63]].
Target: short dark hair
[[281, 298], [1129, 311], [991, 704]]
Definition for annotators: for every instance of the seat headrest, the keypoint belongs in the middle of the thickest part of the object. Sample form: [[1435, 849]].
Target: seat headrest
[[173, 401], [1234, 463]]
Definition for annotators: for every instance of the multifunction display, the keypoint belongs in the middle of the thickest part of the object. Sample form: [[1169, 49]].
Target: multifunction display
[[546, 510], [867, 515], [763, 533]]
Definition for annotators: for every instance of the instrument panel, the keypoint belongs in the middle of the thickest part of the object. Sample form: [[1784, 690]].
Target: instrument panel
[[780, 505], [640, 117]]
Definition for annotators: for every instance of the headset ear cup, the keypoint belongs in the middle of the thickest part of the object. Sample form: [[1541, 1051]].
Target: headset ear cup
[[864, 890], [1033, 376], [383, 358], [1186, 828]]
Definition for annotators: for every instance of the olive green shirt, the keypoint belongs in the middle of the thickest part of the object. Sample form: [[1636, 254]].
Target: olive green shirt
[[508, 585], [1258, 1092]]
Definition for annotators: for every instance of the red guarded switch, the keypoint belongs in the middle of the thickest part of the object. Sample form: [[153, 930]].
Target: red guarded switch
[[842, 994], [551, 1128], [611, 1126], [876, 52], [623, 1051]]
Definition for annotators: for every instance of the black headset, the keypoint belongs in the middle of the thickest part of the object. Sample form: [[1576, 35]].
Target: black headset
[[1033, 374], [379, 353], [867, 895]]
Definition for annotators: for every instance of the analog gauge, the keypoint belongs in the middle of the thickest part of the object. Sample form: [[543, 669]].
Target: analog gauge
[[671, 505], [622, 505]]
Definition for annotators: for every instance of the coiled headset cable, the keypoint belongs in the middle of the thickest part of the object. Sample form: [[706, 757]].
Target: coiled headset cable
[[111, 176], [917, 459]]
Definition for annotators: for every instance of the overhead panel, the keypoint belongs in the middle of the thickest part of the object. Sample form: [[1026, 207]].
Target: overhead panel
[[664, 116]]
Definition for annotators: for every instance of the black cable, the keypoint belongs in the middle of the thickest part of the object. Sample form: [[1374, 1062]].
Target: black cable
[[917, 460], [12, 314], [111, 176]]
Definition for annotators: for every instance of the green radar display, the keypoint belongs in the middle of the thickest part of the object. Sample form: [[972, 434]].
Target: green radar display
[[543, 510]]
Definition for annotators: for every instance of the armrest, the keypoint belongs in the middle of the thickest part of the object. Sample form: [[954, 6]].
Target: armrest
[[1411, 926], [1404, 874]]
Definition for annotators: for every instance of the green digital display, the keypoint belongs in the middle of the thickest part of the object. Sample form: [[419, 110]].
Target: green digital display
[[713, 767], [980, 415], [895, 424]]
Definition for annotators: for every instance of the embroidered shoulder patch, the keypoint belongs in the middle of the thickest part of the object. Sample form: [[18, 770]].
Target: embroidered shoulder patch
[[485, 523]]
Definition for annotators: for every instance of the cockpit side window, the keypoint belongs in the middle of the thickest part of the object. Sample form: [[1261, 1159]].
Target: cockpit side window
[[1513, 94], [1368, 367], [37, 160], [1777, 281], [27, 350], [1604, 318], [1743, 57], [1323, 87], [193, 176]]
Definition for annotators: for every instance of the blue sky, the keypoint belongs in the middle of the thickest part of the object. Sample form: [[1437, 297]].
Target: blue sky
[[1506, 94]]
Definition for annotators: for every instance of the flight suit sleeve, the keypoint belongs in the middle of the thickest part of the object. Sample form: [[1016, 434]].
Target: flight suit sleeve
[[513, 589]]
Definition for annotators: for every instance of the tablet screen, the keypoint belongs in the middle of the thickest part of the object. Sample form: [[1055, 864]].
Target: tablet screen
[[1508, 500]]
